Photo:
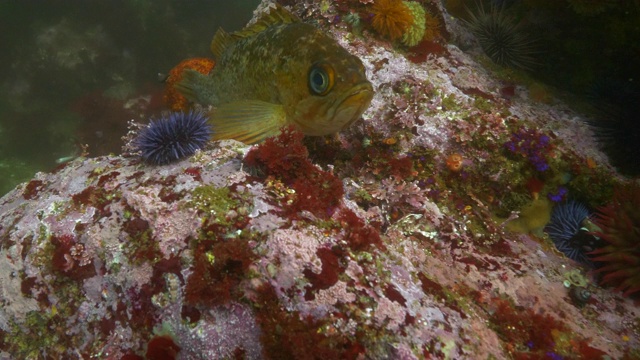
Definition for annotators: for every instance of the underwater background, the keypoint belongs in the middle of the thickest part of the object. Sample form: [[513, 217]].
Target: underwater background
[[75, 72]]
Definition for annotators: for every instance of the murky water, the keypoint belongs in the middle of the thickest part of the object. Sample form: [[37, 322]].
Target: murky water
[[73, 73]]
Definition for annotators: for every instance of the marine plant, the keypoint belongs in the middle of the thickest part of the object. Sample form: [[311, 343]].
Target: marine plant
[[173, 137], [565, 229], [619, 223], [391, 18], [501, 37], [285, 160]]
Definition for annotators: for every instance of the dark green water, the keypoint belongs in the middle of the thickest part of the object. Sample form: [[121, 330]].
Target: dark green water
[[74, 72]]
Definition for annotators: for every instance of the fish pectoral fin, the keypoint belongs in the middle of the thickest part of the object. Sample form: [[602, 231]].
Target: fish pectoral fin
[[249, 121], [192, 85]]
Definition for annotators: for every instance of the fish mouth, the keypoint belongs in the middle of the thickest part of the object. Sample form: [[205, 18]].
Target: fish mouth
[[354, 104]]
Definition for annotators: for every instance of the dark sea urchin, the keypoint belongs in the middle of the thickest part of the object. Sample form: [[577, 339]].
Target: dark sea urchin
[[501, 37], [173, 137], [568, 233]]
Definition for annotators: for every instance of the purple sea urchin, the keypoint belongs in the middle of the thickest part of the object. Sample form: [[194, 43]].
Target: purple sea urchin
[[566, 230], [173, 137], [500, 37]]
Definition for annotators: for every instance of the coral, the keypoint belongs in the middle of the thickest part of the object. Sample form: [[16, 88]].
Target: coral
[[501, 38], [391, 18], [619, 222], [564, 228], [173, 137], [416, 31], [172, 97]]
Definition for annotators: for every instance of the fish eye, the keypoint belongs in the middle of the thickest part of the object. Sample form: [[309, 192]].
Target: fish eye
[[321, 78]]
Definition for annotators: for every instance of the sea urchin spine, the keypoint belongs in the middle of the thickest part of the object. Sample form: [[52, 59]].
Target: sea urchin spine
[[173, 137], [566, 230], [501, 38]]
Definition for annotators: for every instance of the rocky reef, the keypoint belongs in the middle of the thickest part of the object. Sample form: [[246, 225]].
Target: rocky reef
[[416, 233]]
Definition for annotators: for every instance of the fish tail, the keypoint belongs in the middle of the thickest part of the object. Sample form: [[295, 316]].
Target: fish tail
[[249, 121], [196, 87]]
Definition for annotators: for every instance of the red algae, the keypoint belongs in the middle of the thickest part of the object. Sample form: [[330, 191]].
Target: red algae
[[68, 258], [32, 189], [331, 269], [359, 235], [162, 348], [287, 335], [219, 266], [287, 159]]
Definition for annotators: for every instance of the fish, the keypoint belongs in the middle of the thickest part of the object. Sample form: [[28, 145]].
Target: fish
[[276, 72]]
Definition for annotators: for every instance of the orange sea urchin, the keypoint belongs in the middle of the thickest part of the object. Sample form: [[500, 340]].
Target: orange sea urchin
[[391, 18], [172, 98], [619, 222]]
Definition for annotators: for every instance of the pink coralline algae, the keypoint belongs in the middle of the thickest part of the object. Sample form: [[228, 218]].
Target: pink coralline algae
[[361, 246]]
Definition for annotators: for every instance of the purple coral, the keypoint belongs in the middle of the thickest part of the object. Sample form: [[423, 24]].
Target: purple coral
[[532, 145]]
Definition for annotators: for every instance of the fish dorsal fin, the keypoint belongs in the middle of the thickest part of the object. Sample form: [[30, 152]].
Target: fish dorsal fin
[[275, 16], [220, 42], [278, 15]]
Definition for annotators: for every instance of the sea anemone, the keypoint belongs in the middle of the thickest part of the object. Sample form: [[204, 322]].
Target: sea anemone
[[391, 18], [566, 229], [173, 137], [431, 26], [415, 32], [619, 223], [501, 38], [172, 98]]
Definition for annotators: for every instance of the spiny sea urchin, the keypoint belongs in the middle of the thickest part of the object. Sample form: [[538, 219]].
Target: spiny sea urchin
[[173, 137], [501, 38], [566, 229], [619, 222]]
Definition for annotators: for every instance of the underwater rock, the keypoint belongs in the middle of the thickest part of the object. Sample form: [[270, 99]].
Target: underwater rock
[[216, 257]]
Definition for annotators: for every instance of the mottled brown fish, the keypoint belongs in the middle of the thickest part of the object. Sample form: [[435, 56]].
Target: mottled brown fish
[[276, 72]]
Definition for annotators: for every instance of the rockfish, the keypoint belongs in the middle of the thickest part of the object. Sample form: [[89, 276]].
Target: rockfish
[[276, 72]]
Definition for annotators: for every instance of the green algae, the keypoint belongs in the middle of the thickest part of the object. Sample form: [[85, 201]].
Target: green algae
[[215, 201]]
